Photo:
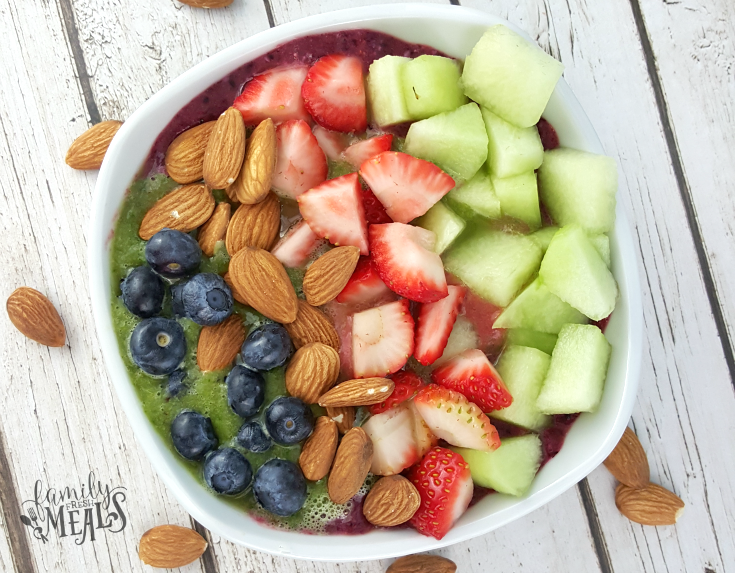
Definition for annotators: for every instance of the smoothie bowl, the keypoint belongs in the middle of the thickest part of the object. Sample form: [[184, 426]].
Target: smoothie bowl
[[351, 315]]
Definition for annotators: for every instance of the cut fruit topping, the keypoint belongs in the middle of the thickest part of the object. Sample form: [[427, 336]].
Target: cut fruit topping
[[425, 439], [382, 339], [435, 323], [463, 337], [431, 86], [333, 143], [518, 197], [394, 442], [374, 210], [334, 93], [407, 187], [299, 242], [360, 151], [542, 341], [444, 223], [475, 197], [405, 259], [543, 237], [334, 211], [275, 94], [301, 163], [385, 91], [365, 285], [511, 150], [601, 243], [407, 383], [482, 314]]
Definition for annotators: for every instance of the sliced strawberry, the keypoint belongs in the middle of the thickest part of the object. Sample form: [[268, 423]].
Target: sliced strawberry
[[435, 323], [406, 261], [394, 443], [406, 186], [451, 417], [301, 163], [425, 438], [333, 143], [473, 375], [382, 339], [359, 152], [297, 244], [364, 285], [445, 485], [407, 383], [334, 93], [334, 211], [483, 314], [275, 94], [374, 210]]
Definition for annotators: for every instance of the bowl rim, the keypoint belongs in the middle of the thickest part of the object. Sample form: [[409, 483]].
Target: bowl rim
[[279, 542]]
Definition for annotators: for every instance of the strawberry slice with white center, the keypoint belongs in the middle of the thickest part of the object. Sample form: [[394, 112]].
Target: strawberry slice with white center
[[394, 442], [334, 212], [359, 152], [333, 143], [301, 163], [382, 339], [406, 384], [299, 242], [334, 93], [275, 94], [435, 323], [454, 419], [425, 438], [406, 186], [405, 259], [364, 285], [472, 374], [374, 210]]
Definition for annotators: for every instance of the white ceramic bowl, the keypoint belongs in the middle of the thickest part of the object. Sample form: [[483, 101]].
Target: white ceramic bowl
[[453, 30]]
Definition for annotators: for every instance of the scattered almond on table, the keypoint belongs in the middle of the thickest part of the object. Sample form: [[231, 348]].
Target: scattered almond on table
[[422, 564], [206, 3], [88, 150], [170, 546], [36, 317]]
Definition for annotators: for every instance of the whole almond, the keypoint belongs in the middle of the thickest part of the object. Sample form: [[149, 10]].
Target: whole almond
[[351, 466], [183, 209], [36, 317], [215, 229], [206, 3], [650, 505], [263, 281], [391, 501], [628, 462], [218, 345], [236, 294], [170, 546], [329, 274], [225, 150], [254, 182], [254, 225], [343, 416], [318, 451], [311, 325], [185, 155], [313, 370], [88, 150], [360, 392], [422, 564]]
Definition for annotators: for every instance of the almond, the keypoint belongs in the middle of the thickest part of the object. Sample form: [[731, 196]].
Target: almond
[[628, 462], [254, 182], [88, 150], [236, 294], [311, 325], [318, 451], [329, 274], [225, 150], [263, 281], [183, 209], [360, 392], [422, 564], [650, 505], [312, 371], [343, 416], [185, 155], [254, 225], [35, 317], [214, 230], [206, 3], [170, 546], [351, 466], [391, 501], [218, 345]]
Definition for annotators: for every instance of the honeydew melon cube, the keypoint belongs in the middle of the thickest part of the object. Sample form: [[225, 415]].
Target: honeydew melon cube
[[542, 237], [574, 271], [509, 469], [510, 76], [511, 150], [523, 369], [445, 223], [455, 141], [601, 243], [385, 91], [493, 264], [542, 341], [462, 337], [518, 197], [578, 188], [576, 376], [475, 197], [431, 85]]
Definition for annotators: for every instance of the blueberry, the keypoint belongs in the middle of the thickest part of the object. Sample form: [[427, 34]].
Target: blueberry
[[252, 437], [177, 300], [193, 435], [173, 254], [158, 345], [227, 471], [142, 292], [176, 385], [266, 347], [288, 420], [245, 391], [206, 299], [280, 487]]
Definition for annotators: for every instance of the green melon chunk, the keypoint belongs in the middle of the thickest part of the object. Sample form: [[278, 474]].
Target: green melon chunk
[[576, 376], [430, 85], [543, 237], [542, 341], [518, 197], [475, 197], [385, 91], [445, 223], [601, 243], [511, 150]]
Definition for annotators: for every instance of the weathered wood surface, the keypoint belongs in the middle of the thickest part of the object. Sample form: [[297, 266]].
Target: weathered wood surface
[[71, 62]]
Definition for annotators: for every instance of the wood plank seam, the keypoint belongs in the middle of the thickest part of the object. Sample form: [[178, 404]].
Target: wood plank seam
[[269, 13], [593, 520], [209, 560]]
